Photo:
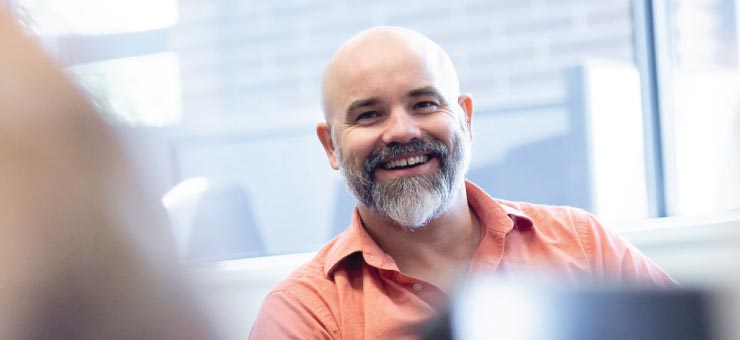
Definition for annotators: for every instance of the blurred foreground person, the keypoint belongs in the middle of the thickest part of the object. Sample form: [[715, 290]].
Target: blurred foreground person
[[399, 130], [84, 252]]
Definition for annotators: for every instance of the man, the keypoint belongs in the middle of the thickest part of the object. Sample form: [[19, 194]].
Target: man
[[399, 130]]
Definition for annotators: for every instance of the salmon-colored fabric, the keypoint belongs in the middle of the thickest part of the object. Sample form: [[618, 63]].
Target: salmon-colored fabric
[[354, 290]]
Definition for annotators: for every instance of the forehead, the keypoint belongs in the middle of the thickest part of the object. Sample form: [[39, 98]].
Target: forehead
[[387, 74]]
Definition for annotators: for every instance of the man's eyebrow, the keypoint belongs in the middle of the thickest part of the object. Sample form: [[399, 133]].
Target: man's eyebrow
[[426, 91], [362, 103]]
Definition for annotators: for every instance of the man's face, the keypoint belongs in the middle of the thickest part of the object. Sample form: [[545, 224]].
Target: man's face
[[400, 137]]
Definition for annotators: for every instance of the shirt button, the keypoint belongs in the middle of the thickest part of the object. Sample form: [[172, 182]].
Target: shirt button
[[417, 287]]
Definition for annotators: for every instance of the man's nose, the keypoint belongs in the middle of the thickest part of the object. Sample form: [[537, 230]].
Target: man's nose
[[401, 127]]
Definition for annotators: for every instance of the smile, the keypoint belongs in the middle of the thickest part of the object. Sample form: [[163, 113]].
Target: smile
[[405, 163]]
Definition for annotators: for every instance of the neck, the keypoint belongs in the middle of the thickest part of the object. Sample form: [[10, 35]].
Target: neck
[[437, 252]]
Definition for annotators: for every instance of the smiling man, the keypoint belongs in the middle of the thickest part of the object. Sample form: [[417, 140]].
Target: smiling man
[[399, 130]]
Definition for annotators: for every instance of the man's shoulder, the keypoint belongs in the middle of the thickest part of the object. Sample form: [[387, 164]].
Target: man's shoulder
[[527, 215], [537, 211], [558, 222], [306, 301]]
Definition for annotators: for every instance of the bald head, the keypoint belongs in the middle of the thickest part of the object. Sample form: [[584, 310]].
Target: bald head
[[374, 53], [391, 96]]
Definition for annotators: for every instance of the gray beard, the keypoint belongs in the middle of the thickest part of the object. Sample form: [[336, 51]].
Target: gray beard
[[414, 201], [410, 202]]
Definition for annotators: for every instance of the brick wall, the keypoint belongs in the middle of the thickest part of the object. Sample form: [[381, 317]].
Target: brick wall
[[242, 59]]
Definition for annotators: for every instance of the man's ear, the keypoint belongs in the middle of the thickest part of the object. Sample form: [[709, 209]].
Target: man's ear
[[466, 103], [323, 131]]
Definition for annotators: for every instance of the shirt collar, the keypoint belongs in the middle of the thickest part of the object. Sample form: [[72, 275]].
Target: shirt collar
[[355, 239], [491, 213], [495, 214]]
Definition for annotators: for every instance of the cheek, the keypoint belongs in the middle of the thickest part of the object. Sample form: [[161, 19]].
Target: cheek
[[446, 129], [458, 121], [356, 146], [352, 155]]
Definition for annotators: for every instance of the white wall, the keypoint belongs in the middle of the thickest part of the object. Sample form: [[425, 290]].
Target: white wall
[[702, 250]]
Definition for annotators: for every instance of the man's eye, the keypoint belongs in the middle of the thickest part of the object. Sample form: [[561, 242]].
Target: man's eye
[[425, 105], [367, 115]]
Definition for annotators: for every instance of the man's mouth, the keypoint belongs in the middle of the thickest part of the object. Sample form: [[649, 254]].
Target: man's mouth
[[405, 163]]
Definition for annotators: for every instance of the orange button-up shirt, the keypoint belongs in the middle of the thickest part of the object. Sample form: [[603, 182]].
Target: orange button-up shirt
[[352, 289]]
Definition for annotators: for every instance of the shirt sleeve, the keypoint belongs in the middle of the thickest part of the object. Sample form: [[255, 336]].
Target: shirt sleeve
[[289, 315], [615, 260]]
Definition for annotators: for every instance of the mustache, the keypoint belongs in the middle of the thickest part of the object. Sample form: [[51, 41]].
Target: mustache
[[420, 145]]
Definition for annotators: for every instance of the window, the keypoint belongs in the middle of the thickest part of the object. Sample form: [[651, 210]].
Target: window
[[699, 78], [134, 90], [97, 16], [116, 50]]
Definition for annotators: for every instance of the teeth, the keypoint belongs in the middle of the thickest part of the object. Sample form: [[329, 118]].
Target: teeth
[[406, 161]]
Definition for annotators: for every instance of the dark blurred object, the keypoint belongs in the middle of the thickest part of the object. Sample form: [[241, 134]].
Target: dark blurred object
[[84, 251], [439, 328], [633, 314], [527, 312]]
